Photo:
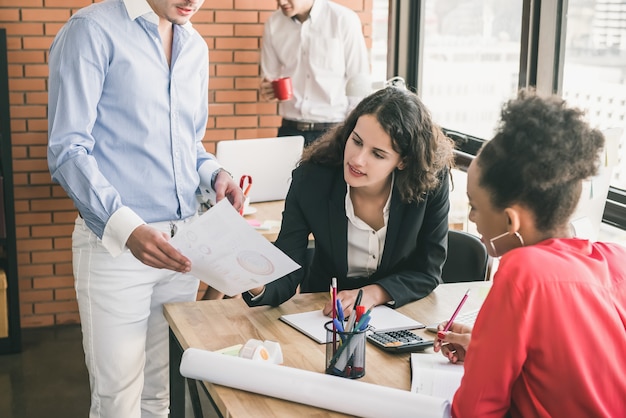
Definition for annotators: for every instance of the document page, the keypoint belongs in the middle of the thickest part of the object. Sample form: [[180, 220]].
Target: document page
[[383, 319], [434, 375], [228, 254]]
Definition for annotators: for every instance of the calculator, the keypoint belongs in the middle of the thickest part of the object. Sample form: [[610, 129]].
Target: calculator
[[399, 341]]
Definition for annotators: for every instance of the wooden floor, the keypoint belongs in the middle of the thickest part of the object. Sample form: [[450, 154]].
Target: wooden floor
[[49, 378]]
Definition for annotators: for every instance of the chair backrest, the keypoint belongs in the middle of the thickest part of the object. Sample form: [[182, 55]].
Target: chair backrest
[[467, 259], [269, 161]]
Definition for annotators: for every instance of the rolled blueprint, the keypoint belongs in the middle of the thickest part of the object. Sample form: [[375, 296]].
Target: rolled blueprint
[[316, 389]]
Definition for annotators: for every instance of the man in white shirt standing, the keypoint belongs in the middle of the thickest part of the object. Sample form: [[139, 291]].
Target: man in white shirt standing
[[320, 45]]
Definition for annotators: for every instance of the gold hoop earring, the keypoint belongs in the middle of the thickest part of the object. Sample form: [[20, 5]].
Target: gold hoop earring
[[505, 246]]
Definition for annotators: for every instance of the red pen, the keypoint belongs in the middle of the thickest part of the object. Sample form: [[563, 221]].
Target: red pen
[[441, 334]]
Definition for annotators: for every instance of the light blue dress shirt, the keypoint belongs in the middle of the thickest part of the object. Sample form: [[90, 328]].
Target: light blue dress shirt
[[126, 129]]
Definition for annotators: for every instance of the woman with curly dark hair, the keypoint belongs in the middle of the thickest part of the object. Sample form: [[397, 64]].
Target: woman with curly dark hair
[[374, 194], [549, 339]]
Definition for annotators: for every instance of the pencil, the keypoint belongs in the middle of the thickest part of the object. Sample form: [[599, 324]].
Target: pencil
[[458, 308]]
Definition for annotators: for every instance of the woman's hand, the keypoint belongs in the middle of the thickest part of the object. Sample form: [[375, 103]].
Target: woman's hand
[[453, 343], [373, 295]]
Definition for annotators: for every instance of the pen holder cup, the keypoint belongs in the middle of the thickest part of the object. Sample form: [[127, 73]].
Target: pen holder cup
[[345, 352]]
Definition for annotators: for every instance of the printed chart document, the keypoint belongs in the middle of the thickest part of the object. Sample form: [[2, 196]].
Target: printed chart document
[[383, 319], [228, 254], [321, 390], [434, 375]]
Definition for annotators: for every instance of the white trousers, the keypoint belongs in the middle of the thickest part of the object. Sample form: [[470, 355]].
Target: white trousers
[[125, 335]]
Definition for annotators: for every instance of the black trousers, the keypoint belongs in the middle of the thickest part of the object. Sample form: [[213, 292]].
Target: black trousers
[[309, 136]]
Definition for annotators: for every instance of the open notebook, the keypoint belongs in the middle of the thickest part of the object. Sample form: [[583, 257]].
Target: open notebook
[[383, 319], [269, 161]]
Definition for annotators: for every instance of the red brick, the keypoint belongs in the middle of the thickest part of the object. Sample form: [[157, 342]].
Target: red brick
[[34, 244], [45, 15], [248, 83], [9, 15], [15, 70], [236, 122], [220, 134], [37, 97], [52, 282], [221, 4], [53, 256], [218, 29], [38, 125], [255, 4], [25, 57], [235, 96], [63, 243], [30, 165], [34, 270], [248, 56], [21, 3], [55, 307], [33, 218], [23, 28], [68, 3], [28, 111], [67, 318], [27, 84], [36, 296], [265, 108], [221, 83], [270, 121], [220, 55], [250, 29], [236, 16], [237, 43], [29, 138], [220, 109], [256, 133], [50, 231], [238, 70]]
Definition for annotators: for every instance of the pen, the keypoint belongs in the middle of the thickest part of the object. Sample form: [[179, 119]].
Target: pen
[[340, 316], [456, 311]]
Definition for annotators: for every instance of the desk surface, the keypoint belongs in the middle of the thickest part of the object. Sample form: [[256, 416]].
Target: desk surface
[[268, 211], [216, 324]]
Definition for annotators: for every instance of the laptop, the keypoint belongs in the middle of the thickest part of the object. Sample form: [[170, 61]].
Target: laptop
[[269, 161]]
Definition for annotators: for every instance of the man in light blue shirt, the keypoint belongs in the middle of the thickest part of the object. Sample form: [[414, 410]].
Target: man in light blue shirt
[[128, 106]]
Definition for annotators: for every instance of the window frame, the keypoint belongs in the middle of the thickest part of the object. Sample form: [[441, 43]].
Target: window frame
[[541, 67]]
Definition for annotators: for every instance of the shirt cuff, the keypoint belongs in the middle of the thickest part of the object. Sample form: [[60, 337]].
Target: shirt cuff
[[205, 172], [119, 227], [257, 297]]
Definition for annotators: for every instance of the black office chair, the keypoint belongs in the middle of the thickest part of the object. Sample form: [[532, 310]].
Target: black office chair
[[467, 260]]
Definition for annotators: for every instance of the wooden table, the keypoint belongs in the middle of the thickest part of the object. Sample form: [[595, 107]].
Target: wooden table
[[216, 324], [268, 211]]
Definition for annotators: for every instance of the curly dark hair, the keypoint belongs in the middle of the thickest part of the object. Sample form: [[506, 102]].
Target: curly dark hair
[[423, 147], [538, 158]]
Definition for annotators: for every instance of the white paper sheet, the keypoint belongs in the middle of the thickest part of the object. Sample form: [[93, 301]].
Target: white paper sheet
[[433, 374], [384, 319], [317, 389], [228, 254]]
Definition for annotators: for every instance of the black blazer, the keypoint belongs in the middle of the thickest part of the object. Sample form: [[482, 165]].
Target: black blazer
[[414, 251]]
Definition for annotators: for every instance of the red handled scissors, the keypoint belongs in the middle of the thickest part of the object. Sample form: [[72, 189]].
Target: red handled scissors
[[245, 182]]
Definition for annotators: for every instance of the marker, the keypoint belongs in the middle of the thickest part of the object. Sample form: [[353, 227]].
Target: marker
[[456, 311], [363, 318]]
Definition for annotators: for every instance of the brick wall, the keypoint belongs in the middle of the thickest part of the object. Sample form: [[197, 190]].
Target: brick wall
[[44, 213]]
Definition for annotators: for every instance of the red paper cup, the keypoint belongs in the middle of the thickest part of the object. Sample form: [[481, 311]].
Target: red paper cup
[[282, 88]]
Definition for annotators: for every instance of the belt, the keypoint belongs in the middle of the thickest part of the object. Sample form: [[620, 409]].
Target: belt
[[308, 126]]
